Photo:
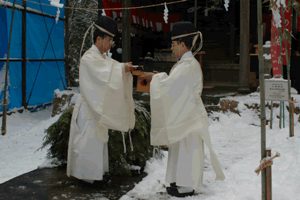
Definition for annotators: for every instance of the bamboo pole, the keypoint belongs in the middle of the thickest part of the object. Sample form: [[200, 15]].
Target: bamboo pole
[[262, 93], [3, 127], [288, 60]]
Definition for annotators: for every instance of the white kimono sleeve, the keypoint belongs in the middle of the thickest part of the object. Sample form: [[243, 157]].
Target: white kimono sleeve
[[176, 106], [108, 92]]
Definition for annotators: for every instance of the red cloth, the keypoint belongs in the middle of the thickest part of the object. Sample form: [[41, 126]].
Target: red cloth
[[279, 59]]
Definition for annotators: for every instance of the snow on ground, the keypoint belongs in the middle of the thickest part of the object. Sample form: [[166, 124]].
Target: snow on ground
[[19, 148], [236, 140]]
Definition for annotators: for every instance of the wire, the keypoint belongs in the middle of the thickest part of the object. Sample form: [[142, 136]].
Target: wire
[[107, 9]]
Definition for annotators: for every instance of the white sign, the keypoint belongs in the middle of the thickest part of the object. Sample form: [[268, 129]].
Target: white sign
[[276, 89]]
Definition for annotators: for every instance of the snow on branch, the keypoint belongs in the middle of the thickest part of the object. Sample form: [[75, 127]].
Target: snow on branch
[[276, 5]]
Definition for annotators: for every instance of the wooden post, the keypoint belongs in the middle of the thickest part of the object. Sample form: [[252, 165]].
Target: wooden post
[[268, 177], [100, 7], [195, 13], [288, 60], [244, 46], [126, 26], [271, 116], [262, 93], [292, 111]]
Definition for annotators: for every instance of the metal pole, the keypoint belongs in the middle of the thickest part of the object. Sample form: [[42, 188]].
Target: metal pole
[[24, 103], [3, 127], [66, 40], [36, 12], [262, 94]]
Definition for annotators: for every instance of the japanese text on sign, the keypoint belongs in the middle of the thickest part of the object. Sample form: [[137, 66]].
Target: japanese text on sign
[[276, 90]]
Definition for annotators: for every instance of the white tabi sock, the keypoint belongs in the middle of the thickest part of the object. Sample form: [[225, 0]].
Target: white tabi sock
[[182, 189]]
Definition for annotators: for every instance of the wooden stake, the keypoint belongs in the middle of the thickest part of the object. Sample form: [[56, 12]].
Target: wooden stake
[[271, 116], [292, 111], [268, 178]]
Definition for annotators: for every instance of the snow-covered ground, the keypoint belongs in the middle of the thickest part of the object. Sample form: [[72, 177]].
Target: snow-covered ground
[[236, 139], [20, 148]]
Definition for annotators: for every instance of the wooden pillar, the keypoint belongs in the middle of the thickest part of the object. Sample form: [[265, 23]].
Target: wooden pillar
[[100, 6], [126, 26], [244, 46], [232, 37]]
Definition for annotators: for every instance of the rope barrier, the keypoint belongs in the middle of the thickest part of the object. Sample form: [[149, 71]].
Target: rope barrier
[[108, 9]]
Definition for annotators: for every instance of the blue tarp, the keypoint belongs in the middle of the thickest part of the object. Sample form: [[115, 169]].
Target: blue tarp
[[44, 40]]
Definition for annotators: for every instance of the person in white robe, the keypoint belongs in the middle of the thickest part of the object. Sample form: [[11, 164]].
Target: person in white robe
[[105, 102], [178, 116]]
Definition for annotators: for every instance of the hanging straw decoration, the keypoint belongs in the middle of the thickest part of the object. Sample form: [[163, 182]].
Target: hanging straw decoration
[[226, 4], [58, 5], [166, 13], [103, 12]]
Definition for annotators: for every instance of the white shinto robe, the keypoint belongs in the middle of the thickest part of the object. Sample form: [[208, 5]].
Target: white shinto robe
[[179, 120], [105, 102]]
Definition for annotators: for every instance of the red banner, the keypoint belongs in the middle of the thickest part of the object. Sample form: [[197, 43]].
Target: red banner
[[279, 59], [275, 51]]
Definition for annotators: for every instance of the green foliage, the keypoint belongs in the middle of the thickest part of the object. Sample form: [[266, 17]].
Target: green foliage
[[58, 136], [120, 163]]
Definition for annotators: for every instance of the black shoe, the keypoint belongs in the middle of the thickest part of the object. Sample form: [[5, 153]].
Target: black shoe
[[173, 191], [173, 184]]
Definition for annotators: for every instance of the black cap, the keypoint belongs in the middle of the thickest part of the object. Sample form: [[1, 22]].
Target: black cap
[[182, 29], [107, 25]]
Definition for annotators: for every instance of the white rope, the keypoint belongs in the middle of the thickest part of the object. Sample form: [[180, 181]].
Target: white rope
[[104, 30], [92, 28], [183, 35], [106, 9], [199, 34], [124, 143], [84, 37], [131, 144], [157, 153]]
